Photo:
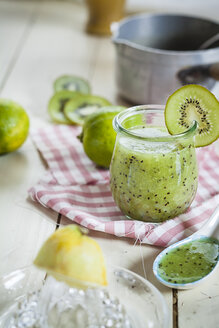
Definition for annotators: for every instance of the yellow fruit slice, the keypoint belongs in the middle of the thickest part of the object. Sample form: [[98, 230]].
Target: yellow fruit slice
[[71, 256], [14, 126]]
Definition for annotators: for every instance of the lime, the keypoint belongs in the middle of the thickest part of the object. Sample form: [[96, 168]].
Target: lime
[[72, 257], [14, 126], [193, 103], [98, 135]]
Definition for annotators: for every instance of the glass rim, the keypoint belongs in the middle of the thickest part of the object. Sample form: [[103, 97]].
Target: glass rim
[[119, 118]]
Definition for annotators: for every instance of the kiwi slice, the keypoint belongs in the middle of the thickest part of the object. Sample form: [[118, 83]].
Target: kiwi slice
[[77, 109], [193, 103], [71, 83], [57, 103]]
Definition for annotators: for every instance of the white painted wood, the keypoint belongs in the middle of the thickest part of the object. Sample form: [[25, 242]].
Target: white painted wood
[[50, 42], [198, 308], [103, 78], [56, 45], [24, 225], [15, 19]]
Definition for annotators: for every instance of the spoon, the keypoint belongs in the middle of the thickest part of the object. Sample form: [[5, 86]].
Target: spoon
[[207, 74], [206, 44], [209, 235]]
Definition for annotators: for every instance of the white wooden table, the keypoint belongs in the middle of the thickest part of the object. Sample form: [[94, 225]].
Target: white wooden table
[[39, 41]]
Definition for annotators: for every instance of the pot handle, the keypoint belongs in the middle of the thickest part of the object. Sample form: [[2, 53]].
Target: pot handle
[[196, 74], [214, 71]]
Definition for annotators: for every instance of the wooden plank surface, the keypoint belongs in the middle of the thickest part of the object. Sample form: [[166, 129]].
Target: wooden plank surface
[[24, 226], [16, 18], [48, 41], [56, 45], [199, 307]]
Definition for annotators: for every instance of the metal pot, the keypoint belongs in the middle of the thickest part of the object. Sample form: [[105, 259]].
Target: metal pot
[[151, 50]]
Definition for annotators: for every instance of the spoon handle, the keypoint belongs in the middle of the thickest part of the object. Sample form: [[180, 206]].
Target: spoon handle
[[199, 73], [209, 42], [211, 227]]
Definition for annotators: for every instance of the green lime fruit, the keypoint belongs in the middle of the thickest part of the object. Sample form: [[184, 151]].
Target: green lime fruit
[[14, 126], [98, 135], [193, 103], [76, 110], [71, 256], [71, 83], [57, 103]]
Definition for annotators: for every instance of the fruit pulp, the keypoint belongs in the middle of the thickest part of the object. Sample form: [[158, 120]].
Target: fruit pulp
[[189, 262], [153, 181]]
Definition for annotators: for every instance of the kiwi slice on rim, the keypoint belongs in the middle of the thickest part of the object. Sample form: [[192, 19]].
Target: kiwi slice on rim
[[71, 83], [57, 103], [77, 109], [193, 103]]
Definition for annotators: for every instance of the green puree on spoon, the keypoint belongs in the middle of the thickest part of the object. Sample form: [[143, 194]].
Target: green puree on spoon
[[187, 263]]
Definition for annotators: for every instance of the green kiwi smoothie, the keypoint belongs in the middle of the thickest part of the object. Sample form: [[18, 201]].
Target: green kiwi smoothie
[[153, 181]]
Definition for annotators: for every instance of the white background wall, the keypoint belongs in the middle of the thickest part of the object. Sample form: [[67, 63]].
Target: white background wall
[[204, 8]]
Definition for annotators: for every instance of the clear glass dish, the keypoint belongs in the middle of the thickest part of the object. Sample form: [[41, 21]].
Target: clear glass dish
[[127, 292]]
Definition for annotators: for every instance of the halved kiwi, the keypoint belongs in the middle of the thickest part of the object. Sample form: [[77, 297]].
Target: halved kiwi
[[189, 103], [77, 109], [72, 83], [57, 103]]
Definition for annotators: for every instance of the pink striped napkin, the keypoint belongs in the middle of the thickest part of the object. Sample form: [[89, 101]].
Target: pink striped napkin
[[74, 187]]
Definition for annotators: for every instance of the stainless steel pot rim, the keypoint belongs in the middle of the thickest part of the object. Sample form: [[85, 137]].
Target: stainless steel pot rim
[[115, 27], [119, 128]]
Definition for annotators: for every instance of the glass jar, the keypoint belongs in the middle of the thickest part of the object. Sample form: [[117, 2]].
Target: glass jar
[[153, 175]]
